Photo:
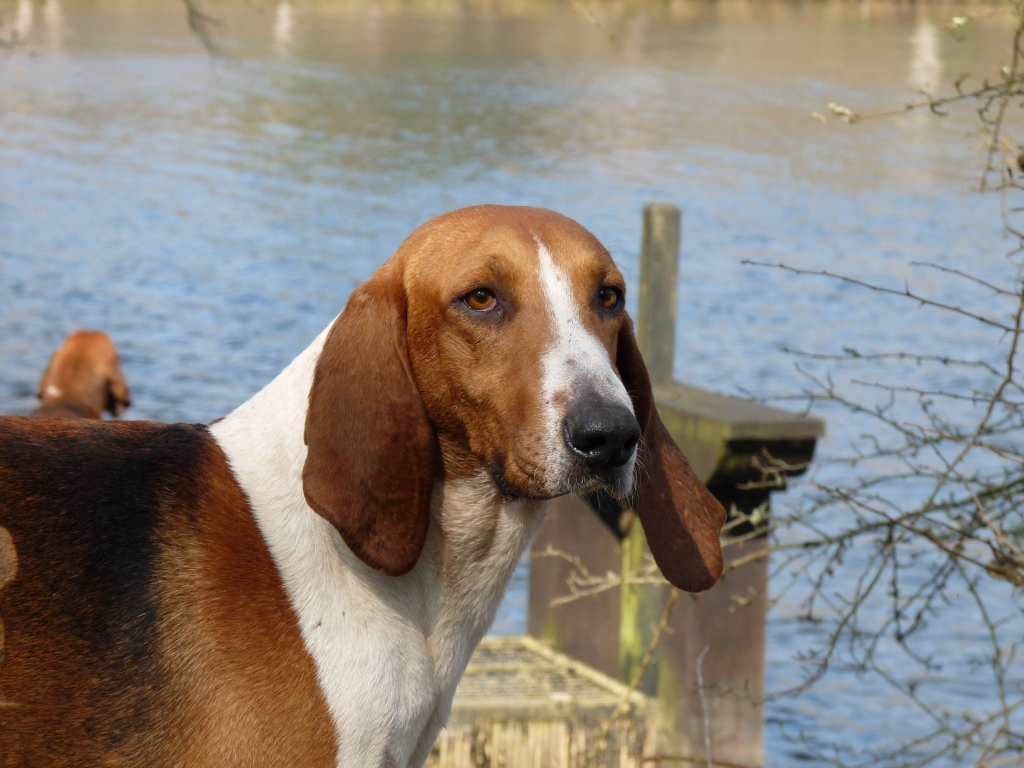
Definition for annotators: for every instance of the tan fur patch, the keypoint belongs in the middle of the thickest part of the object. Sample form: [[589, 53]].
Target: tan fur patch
[[8, 557], [8, 570]]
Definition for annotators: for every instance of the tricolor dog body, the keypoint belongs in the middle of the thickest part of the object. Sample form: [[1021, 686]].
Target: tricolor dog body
[[303, 583]]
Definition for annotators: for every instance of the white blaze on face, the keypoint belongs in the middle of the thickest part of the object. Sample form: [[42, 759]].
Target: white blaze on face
[[575, 363]]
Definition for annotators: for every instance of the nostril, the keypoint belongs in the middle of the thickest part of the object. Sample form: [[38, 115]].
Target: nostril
[[625, 451], [588, 443]]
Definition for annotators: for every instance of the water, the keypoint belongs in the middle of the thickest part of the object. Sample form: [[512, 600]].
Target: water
[[214, 214]]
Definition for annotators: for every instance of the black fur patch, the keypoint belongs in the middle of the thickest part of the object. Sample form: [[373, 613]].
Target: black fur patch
[[84, 503]]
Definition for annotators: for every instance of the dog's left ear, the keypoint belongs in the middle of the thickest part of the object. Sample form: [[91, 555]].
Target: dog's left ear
[[680, 517], [372, 454], [43, 378], [118, 396]]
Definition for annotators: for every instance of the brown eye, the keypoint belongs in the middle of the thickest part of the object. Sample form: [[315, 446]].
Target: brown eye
[[480, 300], [609, 297]]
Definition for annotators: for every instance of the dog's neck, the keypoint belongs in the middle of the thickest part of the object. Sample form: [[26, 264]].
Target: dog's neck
[[389, 651]]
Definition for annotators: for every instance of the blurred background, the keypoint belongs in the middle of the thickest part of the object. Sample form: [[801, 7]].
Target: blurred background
[[211, 195]]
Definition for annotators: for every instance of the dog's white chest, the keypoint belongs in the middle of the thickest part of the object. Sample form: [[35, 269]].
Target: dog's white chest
[[389, 651]]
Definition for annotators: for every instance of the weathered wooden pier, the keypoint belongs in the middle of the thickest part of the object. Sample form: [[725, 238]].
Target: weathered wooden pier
[[547, 704]]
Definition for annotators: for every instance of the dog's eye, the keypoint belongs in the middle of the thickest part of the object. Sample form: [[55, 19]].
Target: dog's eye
[[609, 297], [481, 300]]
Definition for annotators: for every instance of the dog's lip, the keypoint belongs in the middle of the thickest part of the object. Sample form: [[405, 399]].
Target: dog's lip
[[508, 493], [617, 488], [588, 482], [498, 476]]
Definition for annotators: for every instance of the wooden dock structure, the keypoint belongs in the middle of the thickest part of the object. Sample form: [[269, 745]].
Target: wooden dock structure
[[522, 704]]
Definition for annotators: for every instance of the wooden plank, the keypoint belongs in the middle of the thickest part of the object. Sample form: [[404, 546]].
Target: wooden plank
[[735, 418], [659, 280]]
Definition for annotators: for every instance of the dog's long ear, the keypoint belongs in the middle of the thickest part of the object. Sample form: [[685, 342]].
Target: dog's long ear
[[373, 455], [118, 396], [681, 519]]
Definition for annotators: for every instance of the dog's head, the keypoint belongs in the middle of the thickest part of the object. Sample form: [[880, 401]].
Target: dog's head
[[84, 376], [495, 339]]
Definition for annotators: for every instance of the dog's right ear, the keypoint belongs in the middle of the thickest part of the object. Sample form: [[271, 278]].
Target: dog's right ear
[[372, 454], [118, 395]]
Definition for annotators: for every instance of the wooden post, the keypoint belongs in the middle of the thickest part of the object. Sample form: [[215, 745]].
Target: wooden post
[[659, 278], [641, 604], [640, 608], [656, 336]]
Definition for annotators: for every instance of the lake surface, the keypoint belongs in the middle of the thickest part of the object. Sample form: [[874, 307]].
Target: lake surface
[[214, 213]]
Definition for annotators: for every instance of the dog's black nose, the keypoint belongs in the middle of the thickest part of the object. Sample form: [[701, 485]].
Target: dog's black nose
[[604, 436]]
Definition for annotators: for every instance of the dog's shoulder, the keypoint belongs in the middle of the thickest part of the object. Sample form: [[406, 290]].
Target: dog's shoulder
[[90, 495], [33, 449]]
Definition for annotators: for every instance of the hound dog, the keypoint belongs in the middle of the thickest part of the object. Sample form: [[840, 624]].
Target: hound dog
[[83, 379], [303, 582]]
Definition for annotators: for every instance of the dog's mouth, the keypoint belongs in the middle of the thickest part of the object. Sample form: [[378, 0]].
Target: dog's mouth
[[508, 493], [514, 491], [617, 483]]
